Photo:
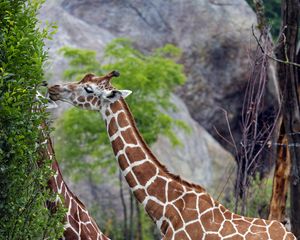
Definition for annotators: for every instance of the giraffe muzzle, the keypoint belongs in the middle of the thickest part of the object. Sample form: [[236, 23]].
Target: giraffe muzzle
[[54, 92]]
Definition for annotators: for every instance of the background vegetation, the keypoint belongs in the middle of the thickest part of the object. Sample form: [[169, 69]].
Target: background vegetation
[[23, 176]]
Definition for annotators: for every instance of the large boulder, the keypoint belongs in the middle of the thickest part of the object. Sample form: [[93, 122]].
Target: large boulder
[[213, 34], [199, 158]]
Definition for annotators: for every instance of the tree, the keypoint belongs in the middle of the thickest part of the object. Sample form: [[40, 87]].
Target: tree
[[288, 81], [82, 140], [23, 174], [286, 59]]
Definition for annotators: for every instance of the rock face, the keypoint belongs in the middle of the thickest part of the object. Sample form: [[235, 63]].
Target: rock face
[[200, 158], [213, 34]]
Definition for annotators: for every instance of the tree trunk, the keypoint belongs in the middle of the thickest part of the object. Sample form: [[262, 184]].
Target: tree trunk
[[280, 180], [131, 224], [139, 231], [288, 81], [125, 228]]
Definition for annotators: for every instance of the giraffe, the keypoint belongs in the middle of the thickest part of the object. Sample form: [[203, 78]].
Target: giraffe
[[79, 225], [180, 209]]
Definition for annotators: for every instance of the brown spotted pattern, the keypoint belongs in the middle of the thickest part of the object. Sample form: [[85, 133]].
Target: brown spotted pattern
[[79, 225], [181, 210]]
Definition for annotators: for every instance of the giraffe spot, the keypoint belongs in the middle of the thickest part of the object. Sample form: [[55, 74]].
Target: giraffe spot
[[227, 229], [98, 103], [89, 98], [175, 190], [218, 216], [194, 230], [208, 222], [73, 209], [69, 232], [83, 216], [122, 162], [241, 225], [67, 200], [112, 127], [205, 202], [95, 99], [212, 236], [190, 200], [228, 215], [128, 136], [135, 154], [117, 145], [116, 106], [158, 189], [164, 226], [140, 195], [86, 234], [130, 180], [81, 99], [173, 214], [80, 105], [260, 222], [276, 230], [169, 234], [92, 231], [122, 120], [73, 223], [87, 105], [179, 204], [154, 210], [189, 214], [181, 235], [144, 172]]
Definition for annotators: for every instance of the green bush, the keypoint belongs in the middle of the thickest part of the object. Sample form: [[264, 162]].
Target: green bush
[[23, 174]]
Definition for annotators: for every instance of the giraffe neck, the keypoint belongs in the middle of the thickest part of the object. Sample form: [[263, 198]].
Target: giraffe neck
[[149, 180], [180, 209], [78, 223]]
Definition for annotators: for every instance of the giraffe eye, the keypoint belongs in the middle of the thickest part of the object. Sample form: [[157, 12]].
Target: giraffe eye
[[88, 89]]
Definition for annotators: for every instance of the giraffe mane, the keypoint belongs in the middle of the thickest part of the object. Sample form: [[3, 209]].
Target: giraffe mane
[[156, 161]]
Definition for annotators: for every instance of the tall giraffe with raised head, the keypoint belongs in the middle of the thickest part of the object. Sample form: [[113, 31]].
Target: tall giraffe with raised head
[[79, 225], [181, 210]]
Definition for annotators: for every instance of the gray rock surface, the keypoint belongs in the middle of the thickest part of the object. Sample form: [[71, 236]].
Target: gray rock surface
[[200, 158], [213, 34]]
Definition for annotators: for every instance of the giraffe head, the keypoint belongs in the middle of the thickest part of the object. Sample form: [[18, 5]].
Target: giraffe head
[[92, 92]]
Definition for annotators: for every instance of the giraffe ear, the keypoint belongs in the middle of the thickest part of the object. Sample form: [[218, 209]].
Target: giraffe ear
[[125, 93], [114, 95]]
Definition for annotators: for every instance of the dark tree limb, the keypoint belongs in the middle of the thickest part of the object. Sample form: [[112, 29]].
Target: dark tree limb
[[288, 81], [281, 179]]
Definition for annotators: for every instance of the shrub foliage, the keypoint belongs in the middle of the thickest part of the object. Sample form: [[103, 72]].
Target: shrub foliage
[[23, 175]]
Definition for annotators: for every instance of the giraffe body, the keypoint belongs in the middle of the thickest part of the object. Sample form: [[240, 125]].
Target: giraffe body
[[181, 210], [79, 225]]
